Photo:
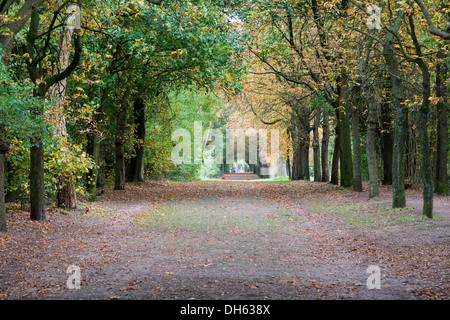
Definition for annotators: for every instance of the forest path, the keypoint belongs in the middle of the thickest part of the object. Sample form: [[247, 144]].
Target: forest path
[[224, 240]]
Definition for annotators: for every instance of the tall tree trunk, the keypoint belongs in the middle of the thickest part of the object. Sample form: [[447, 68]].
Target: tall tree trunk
[[366, 92], [424, 111], [345, 149], [288, 164], [3, 227], [374, 190], [357, 177], [335, 162], [305, 160], [400, 114], [136, 170], [4, 148], [316, 146], [387, 141], [296, 162], [325, 143], [427, 210], [37, 186], [120, 165], [441, 186], [297, 173]]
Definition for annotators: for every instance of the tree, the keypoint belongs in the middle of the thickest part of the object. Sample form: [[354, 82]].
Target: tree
[[44, 81], [400, 111]]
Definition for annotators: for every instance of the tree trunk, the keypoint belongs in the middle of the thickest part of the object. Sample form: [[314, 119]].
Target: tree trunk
[[345, 148], [136, 170], [305, 160], [288, 164], [400, 128], [325, 143], [398, 151], [335, 162], [66, 196], [4, 148], [300, 172], [387, 140], [400, 114], [422, 125], [37, 186], [316, 146], [366, 92], [297, 173], [374, 190], [120, 165], [357, 177], [426, 158], [3, 227], [441, 186]]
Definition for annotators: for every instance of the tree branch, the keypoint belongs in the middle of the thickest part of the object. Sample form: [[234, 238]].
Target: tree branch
[[443, 34], [50, 81]]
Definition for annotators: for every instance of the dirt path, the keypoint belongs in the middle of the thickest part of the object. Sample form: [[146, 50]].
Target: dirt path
[[229, 240]]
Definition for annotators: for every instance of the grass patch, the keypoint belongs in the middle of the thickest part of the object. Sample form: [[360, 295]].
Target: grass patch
[[370, 215], [201, 218], [278, 179]]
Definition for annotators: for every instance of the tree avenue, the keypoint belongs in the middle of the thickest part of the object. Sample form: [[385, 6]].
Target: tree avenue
[[91, 92]]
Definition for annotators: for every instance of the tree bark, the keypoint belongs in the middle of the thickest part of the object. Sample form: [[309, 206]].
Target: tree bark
[[3, 227], [374, 190], [120, 165], [400, 115], [424, 111], [335, 162], [136, 170], [366, 92], [387, 141], [325, 143], [4, 148], [357, 177], [296, 161], [345, 149], [316, 146], [37, 184], [441, 186], [66, 193], [305, 161]]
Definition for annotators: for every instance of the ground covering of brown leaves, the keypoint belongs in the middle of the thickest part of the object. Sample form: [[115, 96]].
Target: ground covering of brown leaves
[[229, 240]]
